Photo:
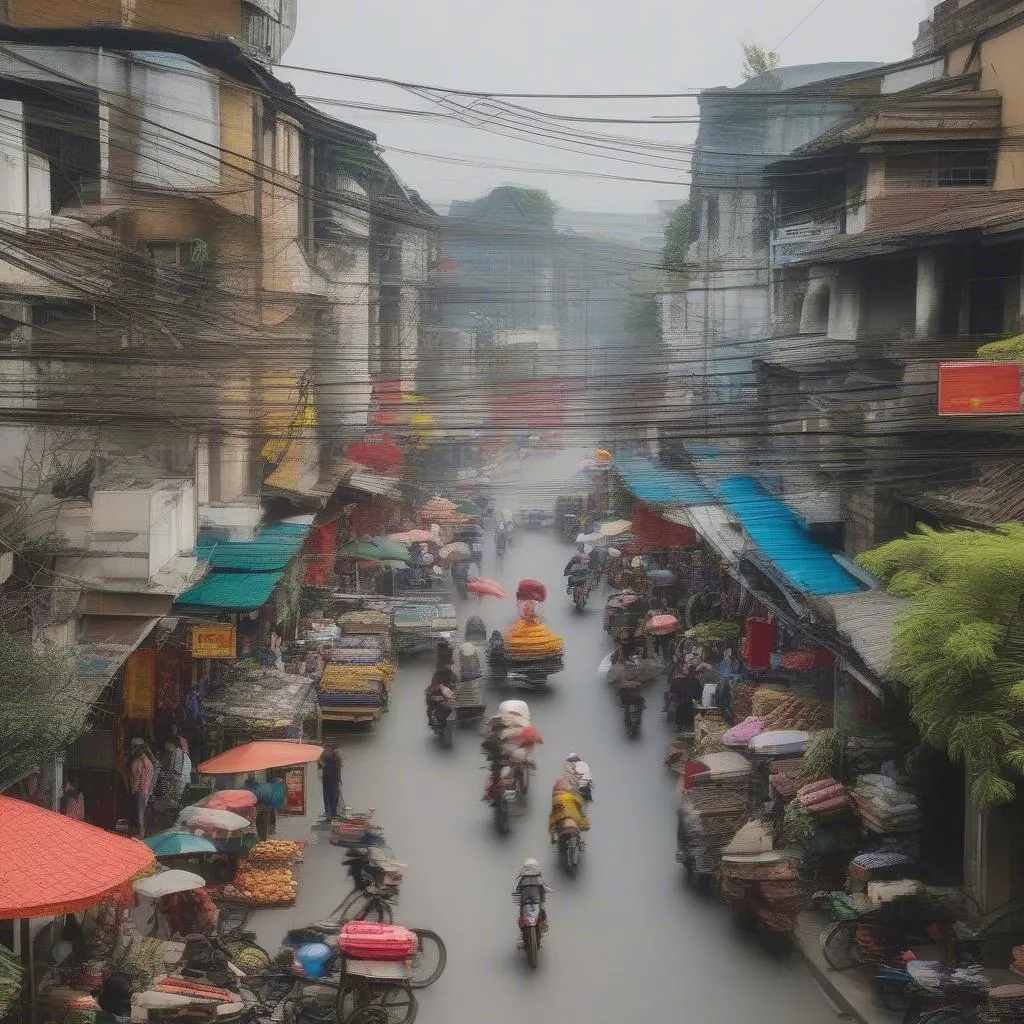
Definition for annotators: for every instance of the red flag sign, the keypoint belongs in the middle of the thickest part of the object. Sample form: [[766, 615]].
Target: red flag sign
[[974, 388]]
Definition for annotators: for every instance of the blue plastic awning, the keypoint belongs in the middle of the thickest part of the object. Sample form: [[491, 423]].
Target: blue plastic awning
[[659, 485], [777, 532]]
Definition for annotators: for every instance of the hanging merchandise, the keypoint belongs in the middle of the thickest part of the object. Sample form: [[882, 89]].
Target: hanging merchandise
[[758, 643], [320, 553]]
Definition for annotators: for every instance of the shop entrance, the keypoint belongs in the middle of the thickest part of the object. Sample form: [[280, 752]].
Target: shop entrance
[[943, 801]]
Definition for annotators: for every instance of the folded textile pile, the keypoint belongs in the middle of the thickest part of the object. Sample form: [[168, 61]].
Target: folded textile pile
[[804, 713], [826, 797], [355, 678], [740, 735], [365, 622], [885, 805]]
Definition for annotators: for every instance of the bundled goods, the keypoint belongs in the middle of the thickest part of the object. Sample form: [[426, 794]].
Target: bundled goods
[[740, 735], [10, 981], [767, 699], [266, 885], [532, 639], [635, 675], [352, 679], [1007, 1002], [277, 851], [142, 960], [821, 758], [679, 752], [803, 713], [192, 989], [786, 776], [367, 940], [864, 754], [708, 732], [797, 824], [356, 830], [743, 702], [365, 622], [885, 805], [1018, 958], [824, 797]]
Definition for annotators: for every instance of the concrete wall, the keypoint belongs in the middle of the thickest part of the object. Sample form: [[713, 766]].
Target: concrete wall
[[189, 17]]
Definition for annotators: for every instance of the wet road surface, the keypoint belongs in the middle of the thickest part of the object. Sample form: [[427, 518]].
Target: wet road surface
[[629, 940]]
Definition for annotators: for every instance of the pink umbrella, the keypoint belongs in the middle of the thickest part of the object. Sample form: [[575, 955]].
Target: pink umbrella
[[662, 624], [413, 537], [486, 588]]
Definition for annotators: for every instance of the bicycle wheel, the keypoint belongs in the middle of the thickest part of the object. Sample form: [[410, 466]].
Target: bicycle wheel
[[429, 960], [378, 910], [839, 946], [398, 1002], [343, 911]]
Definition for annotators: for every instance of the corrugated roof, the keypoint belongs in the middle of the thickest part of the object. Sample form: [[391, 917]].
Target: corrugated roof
[[658, 485], [997, 496], [867, 621], [778, 534], [232, 591], [272, 549]]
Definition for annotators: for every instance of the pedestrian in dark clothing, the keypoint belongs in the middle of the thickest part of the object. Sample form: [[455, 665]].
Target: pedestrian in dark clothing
[[330, 777]]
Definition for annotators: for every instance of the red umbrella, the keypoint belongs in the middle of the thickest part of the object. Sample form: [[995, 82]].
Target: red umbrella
[[51, 864], [486, 588], [255, 757]]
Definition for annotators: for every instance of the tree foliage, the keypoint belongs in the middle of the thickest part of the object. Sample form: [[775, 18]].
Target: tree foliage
[[536, 203], [758, 61], [959, 649], [41, 708], [678, 234], [1005, 348]]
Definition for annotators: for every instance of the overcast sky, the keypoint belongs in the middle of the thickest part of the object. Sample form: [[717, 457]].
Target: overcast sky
[[565, 46]]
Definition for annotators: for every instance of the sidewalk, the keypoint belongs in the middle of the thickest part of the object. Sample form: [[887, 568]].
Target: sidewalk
[[849, 990]]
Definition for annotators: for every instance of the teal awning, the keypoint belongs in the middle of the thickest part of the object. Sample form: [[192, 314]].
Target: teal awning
[[272, 549], [659, 485], [243, 574]]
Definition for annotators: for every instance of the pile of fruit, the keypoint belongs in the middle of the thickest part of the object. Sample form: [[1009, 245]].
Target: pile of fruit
[[277, 851], [532, 639], [355, 678], [266, 886]]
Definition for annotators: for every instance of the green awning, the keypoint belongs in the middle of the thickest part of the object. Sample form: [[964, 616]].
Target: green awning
[[232, 591], [272, 549]]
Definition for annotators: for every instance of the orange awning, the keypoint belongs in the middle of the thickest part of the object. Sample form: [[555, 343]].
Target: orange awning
[[254, 757], [51, 864]]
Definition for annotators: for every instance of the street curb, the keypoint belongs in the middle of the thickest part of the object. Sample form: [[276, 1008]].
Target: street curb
[[849, 993]]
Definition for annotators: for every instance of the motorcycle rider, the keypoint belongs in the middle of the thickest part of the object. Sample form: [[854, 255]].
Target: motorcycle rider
[[577, 568], [440, 692], [577, 773], [530, 875], [565, 804]]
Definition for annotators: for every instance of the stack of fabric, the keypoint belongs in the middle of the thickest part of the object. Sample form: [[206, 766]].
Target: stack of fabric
[[787, 775], [1007, 1002], [353, 686], [365, 623], [886, 805], [825, 798]]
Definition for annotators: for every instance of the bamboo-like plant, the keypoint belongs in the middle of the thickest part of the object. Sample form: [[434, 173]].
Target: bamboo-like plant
[[959, 649]]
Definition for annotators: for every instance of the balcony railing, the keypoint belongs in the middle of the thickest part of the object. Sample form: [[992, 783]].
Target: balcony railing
[[795, 239]]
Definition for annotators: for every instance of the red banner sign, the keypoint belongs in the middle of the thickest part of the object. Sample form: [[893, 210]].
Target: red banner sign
[[973, 388]]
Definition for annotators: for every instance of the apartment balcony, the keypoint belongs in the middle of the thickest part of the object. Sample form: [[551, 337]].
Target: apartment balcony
[[791, 242]]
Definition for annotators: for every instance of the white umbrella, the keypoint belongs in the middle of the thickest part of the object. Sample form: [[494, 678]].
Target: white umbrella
[[212, 818], [167, 883], [616, 527]]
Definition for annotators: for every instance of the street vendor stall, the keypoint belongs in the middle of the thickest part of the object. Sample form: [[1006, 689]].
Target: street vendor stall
[[421, 626]]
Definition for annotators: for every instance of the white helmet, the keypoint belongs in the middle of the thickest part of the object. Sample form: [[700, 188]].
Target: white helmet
[[573, 756], [531, 866]]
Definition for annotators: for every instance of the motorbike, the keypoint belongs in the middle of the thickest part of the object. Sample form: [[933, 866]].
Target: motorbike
[[570, 845], [582, 784], [440, 716], [579, 589], [521, 777], [500, 543], [632, 711], [500, 793], [531, 906]]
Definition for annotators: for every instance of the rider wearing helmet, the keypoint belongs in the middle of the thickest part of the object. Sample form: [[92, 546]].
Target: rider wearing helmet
[[577, 772], [530, 874]]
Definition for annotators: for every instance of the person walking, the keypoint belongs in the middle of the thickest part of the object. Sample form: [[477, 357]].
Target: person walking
[[330, 777]]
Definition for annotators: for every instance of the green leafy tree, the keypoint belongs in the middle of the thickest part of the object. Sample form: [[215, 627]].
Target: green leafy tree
[[758, 61], [41, 706], [678, 233], [537, 204], [959, 649]]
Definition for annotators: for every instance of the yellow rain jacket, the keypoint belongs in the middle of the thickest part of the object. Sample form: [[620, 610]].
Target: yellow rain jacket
[[566, 805]]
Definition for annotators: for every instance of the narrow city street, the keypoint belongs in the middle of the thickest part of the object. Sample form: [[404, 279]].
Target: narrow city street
[[629, 940]]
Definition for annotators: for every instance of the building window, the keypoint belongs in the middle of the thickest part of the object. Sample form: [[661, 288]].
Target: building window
[[257, 31], [178, 267], [971, 168], [288, 144]]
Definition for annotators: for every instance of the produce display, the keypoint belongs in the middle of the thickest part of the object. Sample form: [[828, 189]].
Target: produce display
[[532, 639], [278, 851], [355, 678], [195, 990], [142, 960], [804, 713], [10, 981], [266, 886], [824, 797]]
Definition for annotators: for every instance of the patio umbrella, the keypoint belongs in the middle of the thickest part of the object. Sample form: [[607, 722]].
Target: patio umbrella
[[261, 754], [52, 864], [468, 508], [412, 537], [616, 527], [177, 842], [389, 551], [167, 883], [486, 588], [212, 818]]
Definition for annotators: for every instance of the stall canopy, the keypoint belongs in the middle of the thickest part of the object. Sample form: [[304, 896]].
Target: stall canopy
[[782, 541], [243, 574], [258, 756], [659, 485], [51, 864], [654, 531]]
